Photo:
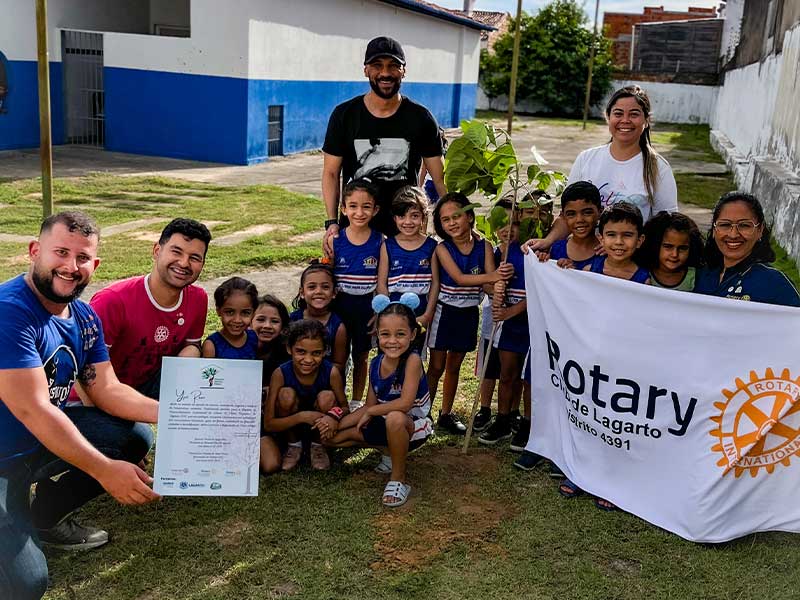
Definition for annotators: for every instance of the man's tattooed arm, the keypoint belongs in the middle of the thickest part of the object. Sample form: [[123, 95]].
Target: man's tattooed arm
[[88, 376]]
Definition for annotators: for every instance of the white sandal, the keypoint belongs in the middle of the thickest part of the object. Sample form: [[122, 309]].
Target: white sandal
[[384, 467], [397, 490]]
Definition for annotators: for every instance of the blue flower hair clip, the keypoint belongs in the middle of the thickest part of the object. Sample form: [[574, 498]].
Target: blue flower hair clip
[[380, 302]]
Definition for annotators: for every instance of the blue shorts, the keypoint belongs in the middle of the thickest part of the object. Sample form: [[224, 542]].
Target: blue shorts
[[513, 335], [454, 328], [493, 367], [355, 312], [375, 434]]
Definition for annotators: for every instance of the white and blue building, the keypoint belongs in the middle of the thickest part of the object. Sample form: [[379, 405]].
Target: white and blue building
[[231, 81]]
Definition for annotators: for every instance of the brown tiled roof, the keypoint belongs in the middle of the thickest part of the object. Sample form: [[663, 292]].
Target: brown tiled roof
[[484, 17]]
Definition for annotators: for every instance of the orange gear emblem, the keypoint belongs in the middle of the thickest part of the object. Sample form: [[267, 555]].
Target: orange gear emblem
[[758, 426]]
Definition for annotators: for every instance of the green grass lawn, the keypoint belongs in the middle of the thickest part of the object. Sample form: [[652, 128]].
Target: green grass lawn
[[112, 200]]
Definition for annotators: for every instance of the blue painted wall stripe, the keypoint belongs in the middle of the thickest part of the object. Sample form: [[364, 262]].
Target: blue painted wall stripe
[[217, 119], [19, 124]]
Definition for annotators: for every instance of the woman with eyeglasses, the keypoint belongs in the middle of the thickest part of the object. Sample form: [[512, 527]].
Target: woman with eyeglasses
[[737, 254]]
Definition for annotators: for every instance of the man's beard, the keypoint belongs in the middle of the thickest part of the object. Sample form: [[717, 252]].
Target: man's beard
[[44, 283], [373, 83]]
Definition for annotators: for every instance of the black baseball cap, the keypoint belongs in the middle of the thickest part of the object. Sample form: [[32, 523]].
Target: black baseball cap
[[384, 47]]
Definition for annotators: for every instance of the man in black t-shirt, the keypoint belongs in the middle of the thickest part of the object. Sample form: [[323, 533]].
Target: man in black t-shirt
[[380, 136]]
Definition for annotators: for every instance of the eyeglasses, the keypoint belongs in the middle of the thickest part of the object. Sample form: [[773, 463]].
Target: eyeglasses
[[746, 228]]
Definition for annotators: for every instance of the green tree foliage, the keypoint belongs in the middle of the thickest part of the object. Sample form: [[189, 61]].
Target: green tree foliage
[[554, 59]]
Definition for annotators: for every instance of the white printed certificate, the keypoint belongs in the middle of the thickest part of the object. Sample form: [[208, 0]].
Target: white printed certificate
[[209, 427]]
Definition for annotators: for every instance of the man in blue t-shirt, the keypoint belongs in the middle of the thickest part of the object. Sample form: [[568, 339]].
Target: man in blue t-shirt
[[50, 339]]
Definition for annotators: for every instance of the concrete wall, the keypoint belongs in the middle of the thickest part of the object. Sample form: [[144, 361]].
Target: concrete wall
[[671, 102], [756, 127], [169, 12]]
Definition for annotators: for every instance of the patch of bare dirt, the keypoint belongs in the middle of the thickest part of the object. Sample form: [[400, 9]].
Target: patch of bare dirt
[[231, 532], [234, 238], [283, 590], [463, 514]]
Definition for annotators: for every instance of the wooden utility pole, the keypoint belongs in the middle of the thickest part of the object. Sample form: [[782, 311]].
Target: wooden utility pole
[[512, 92], [591, 65], [45, 137]]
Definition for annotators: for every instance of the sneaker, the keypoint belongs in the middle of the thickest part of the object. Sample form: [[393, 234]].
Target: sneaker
[[499, 430], [71, 535], [555, 472], [319, 458], [516, 419], [451, 423], [527, 461], [292, 457], [520, 439], [482, 419]]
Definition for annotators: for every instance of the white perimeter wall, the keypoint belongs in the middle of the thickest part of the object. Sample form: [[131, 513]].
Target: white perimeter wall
[[758, 106], [671, 102]]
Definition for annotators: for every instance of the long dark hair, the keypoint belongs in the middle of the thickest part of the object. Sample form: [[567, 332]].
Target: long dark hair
[[235, 284], [647, 255], [762, 251], [457, 198], [401, 310], [650, 157], [314, 267]]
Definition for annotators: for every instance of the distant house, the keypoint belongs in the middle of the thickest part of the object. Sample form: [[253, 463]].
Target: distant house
[[232, 82], [618, 26]]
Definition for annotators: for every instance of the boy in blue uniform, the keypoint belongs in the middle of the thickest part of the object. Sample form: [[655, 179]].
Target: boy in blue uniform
[[50, 340]]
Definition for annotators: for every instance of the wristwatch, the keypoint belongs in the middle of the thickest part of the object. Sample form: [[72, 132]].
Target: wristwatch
[[330, 222]]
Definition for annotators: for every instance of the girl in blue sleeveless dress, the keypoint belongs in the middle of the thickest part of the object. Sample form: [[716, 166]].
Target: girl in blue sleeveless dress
[[306, 397], [236, 300], [356, 252], [314, 300], [396, 415], [466, 264], [408, 262]]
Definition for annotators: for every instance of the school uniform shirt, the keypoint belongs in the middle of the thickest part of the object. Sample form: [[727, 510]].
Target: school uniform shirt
[[559, 250], [356, 266], [598, 263], [224, 349], [410, 271], [307, 393], [756, 282], [33, 337], [389, 388], [139, 331], [622, 180], [512, 334], [474, 263], [331, 327]]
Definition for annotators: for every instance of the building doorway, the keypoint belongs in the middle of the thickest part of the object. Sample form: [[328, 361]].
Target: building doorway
[[84, 96]]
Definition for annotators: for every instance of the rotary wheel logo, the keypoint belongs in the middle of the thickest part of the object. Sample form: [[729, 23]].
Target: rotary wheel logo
[[759, 424], [161, 334]]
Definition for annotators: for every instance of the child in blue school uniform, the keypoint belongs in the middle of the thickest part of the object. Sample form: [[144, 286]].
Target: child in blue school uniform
[[580, 208], [306, 400], [356, 255], [511, 340], [621, 234], [466, 264], [408, 262], [396, 415], [314, 300], [236, 300]]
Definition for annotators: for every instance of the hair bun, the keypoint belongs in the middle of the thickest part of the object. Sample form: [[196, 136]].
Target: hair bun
[[380, 302], [409, 299]]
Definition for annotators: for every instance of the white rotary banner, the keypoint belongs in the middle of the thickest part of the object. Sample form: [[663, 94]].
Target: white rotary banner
[[680, 408]]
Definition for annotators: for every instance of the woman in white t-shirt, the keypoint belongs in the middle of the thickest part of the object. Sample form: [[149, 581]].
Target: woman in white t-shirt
[[627, 168]]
